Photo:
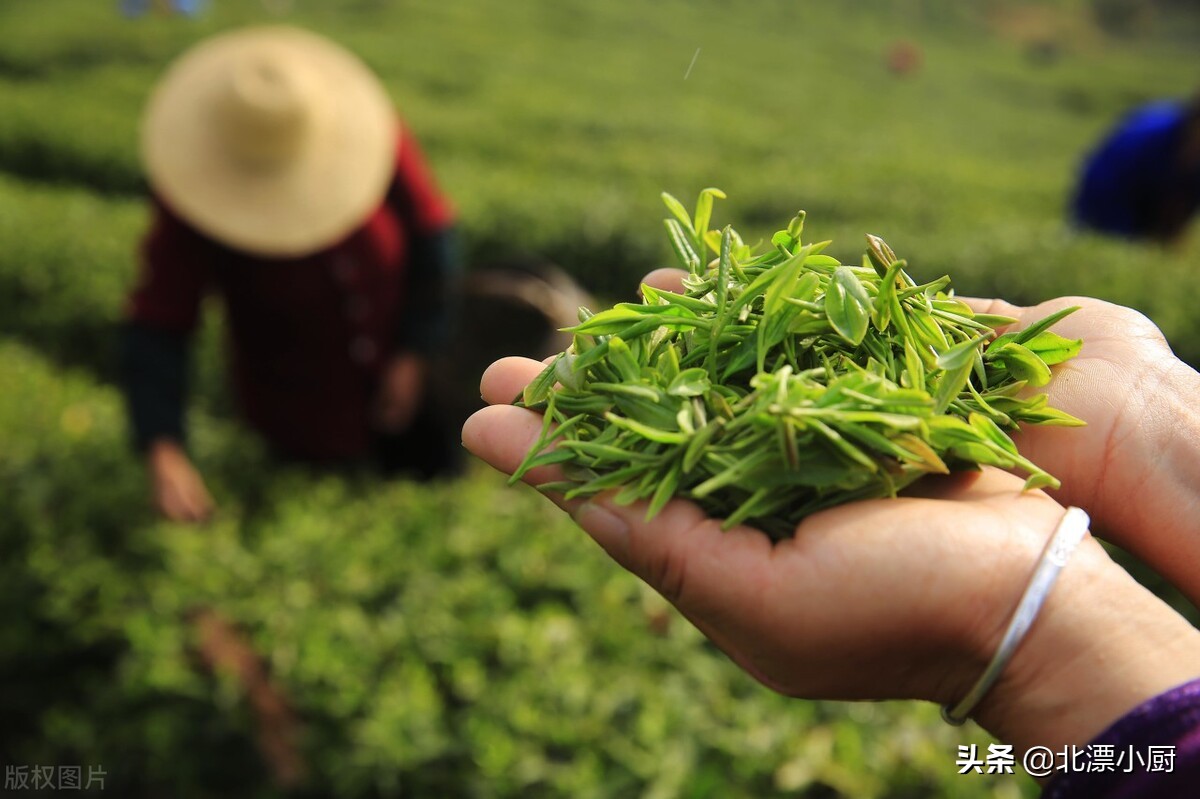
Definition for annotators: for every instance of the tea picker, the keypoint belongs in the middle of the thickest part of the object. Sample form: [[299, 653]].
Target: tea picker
[[284, 183]]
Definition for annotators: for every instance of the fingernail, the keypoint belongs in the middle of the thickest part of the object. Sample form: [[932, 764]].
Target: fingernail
[[602, 524]]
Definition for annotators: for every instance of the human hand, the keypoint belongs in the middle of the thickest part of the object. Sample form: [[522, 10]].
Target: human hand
[[400, 392], [896, 598], [177, 489], [1136, 466]]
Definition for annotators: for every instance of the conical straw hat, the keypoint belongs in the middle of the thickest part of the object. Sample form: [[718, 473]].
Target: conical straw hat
[[272, 140]]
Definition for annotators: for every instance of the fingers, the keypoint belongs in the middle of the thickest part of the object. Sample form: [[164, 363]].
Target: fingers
[[185, 503], [501, 435], [666, 280], [709, 574], [682, 553], [507, 378], [1000, 307]]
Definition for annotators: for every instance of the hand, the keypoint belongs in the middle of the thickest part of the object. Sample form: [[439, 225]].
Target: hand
[[1136, 466], [178, 490], [400, 392], [902, 598]]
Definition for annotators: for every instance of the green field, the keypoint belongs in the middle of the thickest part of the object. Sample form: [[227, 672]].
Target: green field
[[464, 639]]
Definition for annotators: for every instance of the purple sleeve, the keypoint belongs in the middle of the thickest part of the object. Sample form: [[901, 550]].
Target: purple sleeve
[[1168, 724]]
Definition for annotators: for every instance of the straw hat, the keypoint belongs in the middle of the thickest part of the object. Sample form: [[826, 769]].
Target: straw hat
[[272, 140]]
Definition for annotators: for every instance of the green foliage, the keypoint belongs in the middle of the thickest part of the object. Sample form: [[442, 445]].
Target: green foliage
[[780, 382], [461, 639], [464, 640]]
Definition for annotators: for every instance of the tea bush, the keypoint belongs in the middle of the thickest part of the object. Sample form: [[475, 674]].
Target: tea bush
[[461, 639]]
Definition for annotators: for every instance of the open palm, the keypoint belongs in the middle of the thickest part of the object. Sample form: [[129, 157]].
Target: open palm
[[1132, 468], [909, 597], [880, 599]]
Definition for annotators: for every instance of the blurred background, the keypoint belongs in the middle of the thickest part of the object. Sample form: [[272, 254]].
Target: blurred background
[[350, 637]]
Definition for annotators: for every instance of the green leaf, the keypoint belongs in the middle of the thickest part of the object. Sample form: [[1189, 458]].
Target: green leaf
[[621, 359], [704, 206], [1048, 416], [747, 509], [994, 320], [607, 452], [960, 353], [542, 442], [689, 383], [646, 431], [845, 447], [847, 305], [783, 241], [796, 225], [1023, 364], [679, 212], [666, 489], [788, 282], [767, 279], [880, 253], [926, 458], [539, 389], [992, 432], [682, 246], [722, 291], [952, 381], [1040, 479], [627, 390], [821, 261], [914, 367], [732, 473], [1043, 324], [928, 330], [565, 373], [886, 299], [1053, 348], [700, 440], [621, 318]]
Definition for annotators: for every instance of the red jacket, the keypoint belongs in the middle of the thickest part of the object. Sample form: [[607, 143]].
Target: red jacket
[[308, 336]]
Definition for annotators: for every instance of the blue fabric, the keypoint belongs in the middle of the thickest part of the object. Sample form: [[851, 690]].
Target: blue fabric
[[1125, 180], [136, 8]]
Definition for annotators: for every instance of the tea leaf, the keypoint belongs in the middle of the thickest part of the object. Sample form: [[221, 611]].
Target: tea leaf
[[1022, 363], [1052, 348], [704, 206], [689, 383], [846, 305], [782, 382], [679, 212]]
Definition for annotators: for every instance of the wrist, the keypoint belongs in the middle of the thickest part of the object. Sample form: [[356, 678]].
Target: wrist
[[1101, 646]]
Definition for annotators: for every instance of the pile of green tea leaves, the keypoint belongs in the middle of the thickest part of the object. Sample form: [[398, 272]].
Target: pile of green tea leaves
[[783, 382]]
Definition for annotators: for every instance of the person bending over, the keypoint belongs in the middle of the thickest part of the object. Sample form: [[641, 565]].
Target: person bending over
[[284, 183]]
